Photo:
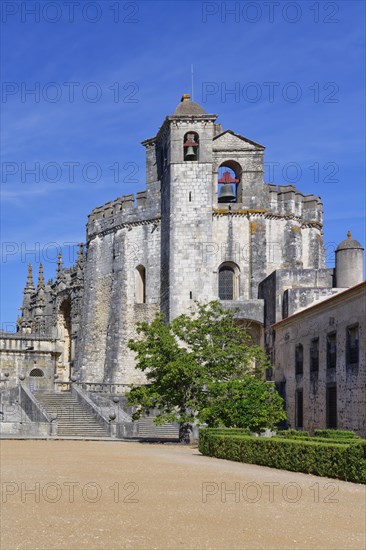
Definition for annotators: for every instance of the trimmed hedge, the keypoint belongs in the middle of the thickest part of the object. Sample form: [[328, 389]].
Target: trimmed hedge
[[230, 431], [321, 436], [342, 460], [292, 433], [324, 434], [336, 434]]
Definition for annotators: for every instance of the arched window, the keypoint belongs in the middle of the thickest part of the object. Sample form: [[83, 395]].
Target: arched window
[[190, 146], [36, 373], [140, 283], [229, 174], [228, 281]]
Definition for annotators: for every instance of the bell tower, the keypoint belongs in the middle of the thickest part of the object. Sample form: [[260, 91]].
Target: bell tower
[[184, 151]]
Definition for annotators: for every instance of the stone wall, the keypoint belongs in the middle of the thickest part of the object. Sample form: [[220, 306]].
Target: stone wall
[[21, 353], [333, 315], [110, 311]]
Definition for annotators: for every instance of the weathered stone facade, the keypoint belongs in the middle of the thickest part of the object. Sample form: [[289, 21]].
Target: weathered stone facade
[[320, 369], [180, 233], [206, 227]]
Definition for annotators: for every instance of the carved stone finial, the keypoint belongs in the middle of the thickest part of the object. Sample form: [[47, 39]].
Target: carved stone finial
[[40, 278], [59, 264], [349, 234], [29, 284]]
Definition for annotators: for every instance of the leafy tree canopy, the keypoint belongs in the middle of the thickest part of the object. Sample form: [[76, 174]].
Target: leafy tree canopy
[[249, 403], [184, 359]]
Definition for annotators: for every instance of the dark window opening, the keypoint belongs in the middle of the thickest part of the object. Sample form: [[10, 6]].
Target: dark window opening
[[314, 355], [331, 399], [269, 373], [299, 404], [331, 350], [299, 359], [352, 345], [36, 373], [226, 283]]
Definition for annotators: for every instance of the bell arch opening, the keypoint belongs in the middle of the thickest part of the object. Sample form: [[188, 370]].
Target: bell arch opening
[[229, 182], [190, 146]]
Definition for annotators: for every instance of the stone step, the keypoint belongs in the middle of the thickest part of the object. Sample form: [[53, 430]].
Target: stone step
[[72, 418], [147, 428]]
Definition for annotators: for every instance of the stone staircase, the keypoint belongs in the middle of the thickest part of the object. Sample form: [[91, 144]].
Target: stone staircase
[[147, 429], [72, 419]]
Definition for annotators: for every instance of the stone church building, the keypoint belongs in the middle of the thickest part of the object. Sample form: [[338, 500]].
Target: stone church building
[[206, 227]]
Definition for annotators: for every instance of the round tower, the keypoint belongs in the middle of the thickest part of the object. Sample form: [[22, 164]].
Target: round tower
[[349, 263]]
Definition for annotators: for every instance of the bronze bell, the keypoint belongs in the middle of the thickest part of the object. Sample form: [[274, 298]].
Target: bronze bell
[[190, 153], [226, 193], [190, 146]]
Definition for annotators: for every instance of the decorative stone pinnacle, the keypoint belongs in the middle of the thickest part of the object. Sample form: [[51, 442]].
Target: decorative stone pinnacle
[[81, 249], [29, 286], [30, 276], [59, 263], [348, 234], [40, 278]]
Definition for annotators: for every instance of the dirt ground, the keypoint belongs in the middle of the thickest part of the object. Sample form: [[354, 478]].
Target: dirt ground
[[117, 495]]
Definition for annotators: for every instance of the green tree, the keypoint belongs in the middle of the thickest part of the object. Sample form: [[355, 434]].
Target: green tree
[[248, 403], [183, 358]]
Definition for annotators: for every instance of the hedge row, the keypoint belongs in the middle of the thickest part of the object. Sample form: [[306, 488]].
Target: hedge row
[[324, 434], [292, 434], [231, 431], [338, 460], [336, 434]]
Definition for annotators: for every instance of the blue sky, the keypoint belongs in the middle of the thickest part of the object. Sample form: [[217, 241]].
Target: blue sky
[[108, 74]]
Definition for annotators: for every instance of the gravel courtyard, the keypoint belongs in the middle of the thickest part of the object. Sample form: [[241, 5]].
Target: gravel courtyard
[[117, 495]]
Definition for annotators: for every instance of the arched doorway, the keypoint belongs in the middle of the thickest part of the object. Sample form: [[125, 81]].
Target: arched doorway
[[36, 381]]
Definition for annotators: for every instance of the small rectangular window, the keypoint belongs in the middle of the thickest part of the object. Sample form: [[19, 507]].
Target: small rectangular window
[[314, 355], [299, 359], [299, 404], [331, 350], [352, 345]]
